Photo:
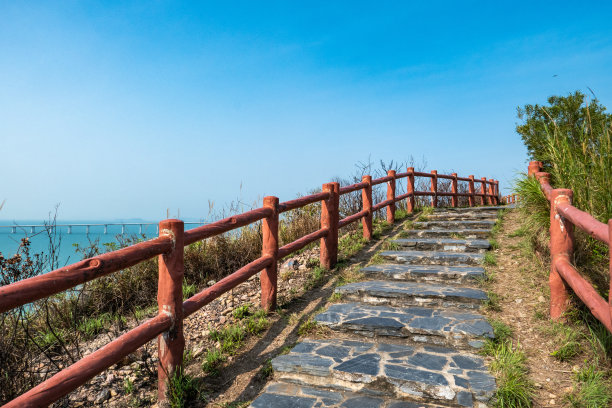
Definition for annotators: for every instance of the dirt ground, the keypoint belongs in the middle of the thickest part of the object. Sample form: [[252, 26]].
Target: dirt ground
[[522, 285]]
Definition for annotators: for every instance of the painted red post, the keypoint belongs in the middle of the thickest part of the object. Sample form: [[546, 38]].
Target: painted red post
[[270, 248], [170, 344], [533, 168], [610, 256], [561, 246], [366, 199], [391, 196], [454, 198], [490, 199], [434, 188], [496, 191], [483, 189], [329, 219], [471, 191], [410, 190]]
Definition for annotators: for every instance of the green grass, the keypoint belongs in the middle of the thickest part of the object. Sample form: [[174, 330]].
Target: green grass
[[493, 302], [128, 386], [315, 278], [212, 360], [335, 297], [181, 389], [376, 259], [242, 311], [390, 246], [514, 389], [490, 259], [189, 290], [591, 390], [309, 326]]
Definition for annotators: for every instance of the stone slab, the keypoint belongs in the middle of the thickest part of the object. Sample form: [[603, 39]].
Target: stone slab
[[470, 224], [462, 233], [401, 294], [459, 216], [434, 257], [423, 373], [485, 208], [416, 324], [444, 244], [287, 395], [424, 273]]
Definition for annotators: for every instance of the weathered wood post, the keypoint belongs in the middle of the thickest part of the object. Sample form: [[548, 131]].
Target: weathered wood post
[[471, 191], [533, 168], [410, 190], [455, 197], [543, 177], [270, 248], [496, 192], [483, 190], [170, 344], [610, 256], [490, 199], [434, 188], [329, 219], [366, 199], [561, 246], [391, 196]]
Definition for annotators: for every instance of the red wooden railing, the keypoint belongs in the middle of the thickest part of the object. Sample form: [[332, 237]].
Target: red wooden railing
[[563, 218], [511, 199], [167, 326]]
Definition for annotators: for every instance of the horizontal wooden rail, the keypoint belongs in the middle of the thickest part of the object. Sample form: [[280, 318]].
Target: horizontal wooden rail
[[563, 218], [352, 218], [589, 296], [352, 187], [89, 366], [586, 221], [225, 225], [42, 286], [243, 274], [302, 242], [302, 201], [167, 326]]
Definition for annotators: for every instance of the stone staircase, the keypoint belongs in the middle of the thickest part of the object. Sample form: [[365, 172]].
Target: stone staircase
[[408, 335]]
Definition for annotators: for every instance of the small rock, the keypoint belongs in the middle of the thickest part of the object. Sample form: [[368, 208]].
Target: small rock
[[541, 299], [102, 396], [113, 393], [110, 378], [519, 300], [222, 320], [211, 282], [552, 396], [552, 402], [537, 385]]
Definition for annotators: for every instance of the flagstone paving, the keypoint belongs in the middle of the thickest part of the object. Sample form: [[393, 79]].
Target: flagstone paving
[[408, 335]]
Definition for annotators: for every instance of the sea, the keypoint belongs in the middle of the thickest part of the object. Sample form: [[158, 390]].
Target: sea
[[71, 235]]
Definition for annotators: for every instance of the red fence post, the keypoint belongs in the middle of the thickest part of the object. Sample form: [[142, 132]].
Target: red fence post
[[610, 256], [455, 197], [471, 191], [533, 168], [269, 247], [491, 189], [561, 246], [329, 219], [391, 196], [496, 190], [434, 188], [483, 190], [410, 190], [366, 199], [170, 344]]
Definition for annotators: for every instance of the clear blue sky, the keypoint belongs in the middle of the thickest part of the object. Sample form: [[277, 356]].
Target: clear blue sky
[[123, 109]]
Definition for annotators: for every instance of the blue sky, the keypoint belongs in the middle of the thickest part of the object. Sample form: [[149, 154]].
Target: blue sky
[[123, 109]]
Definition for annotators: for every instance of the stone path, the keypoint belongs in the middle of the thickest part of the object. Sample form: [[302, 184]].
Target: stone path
[[406, 337]]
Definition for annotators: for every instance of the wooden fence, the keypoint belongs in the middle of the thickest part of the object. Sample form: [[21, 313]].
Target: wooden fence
[[563, 218], [167, 326]]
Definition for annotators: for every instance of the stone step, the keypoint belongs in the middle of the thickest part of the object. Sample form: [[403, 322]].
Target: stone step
[[287, 395], [450, 216], [426, 373], [479, 224], [464, 233], [444, 244], [434, 257], [424, 273], [493, 208], [402, 294], [464, 330]]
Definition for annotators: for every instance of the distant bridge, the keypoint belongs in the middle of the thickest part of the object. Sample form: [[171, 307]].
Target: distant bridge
[[40, 227]]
